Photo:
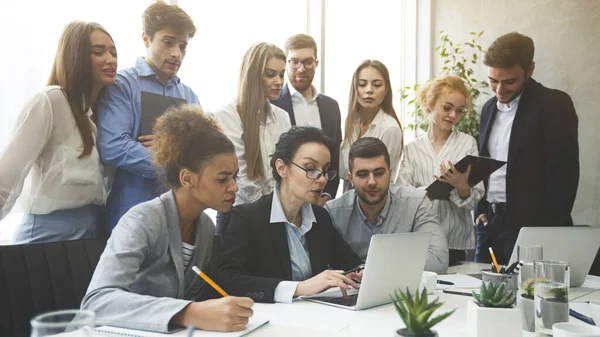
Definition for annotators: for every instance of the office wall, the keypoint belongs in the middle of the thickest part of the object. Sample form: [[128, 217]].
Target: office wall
[[567, 41]]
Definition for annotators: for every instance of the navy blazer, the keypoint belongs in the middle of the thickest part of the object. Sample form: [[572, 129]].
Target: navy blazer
[[254, 255], [329, 111], [543, 158]]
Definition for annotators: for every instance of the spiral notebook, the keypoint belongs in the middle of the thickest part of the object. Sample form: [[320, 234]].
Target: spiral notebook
[[254, 324]]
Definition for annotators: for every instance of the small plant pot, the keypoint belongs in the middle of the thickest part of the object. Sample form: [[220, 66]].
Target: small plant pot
[[493, 322], [528, 308], [404, 333], [552, 311]]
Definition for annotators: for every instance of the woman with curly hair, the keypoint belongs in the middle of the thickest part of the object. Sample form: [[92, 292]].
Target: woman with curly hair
[[144, 279]]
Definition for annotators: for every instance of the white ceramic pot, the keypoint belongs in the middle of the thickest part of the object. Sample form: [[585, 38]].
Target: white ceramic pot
[[493, 322], [574, 330]]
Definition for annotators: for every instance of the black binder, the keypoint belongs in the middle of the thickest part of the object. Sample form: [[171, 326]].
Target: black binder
[[153, 106], [481, 167]]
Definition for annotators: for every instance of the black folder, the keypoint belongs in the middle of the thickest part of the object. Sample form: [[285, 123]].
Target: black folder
[[481, 167], [153, 106]]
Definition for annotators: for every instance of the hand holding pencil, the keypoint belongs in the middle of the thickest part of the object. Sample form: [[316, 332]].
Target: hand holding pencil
[[229, 313]]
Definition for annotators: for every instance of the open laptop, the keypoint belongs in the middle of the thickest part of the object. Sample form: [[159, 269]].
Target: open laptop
[[577, 245], [394, 261]]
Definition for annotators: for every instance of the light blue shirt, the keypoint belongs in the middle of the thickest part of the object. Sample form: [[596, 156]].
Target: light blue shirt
[[119, 119], [360, 237], [299, 256]]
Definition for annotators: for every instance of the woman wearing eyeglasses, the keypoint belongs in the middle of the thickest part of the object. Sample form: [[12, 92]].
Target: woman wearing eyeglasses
[[283, 245]]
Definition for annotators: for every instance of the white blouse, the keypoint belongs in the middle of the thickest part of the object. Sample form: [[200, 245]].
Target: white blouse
[[277, 122], [44, 147], [420, 163], [384, 127]]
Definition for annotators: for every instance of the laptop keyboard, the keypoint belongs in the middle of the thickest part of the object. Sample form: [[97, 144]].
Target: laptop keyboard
[[349, 302]]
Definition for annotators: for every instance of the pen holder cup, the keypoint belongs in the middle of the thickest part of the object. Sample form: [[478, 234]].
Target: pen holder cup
[[511, 280]]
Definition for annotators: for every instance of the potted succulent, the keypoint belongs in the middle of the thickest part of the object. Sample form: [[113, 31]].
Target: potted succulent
[[416, 313], [492, 313], [554, 304], [525, 302]]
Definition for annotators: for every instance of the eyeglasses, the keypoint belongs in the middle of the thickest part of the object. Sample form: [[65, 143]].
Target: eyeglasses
[[308, 63], [315, 174]]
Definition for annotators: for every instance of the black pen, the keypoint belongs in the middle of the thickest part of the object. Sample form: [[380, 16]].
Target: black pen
[[360, 267], [452, 292], [448, 283], [581, 317]]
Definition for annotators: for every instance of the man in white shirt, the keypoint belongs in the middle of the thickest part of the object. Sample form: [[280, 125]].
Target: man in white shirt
[[305, 105], [533, 129]]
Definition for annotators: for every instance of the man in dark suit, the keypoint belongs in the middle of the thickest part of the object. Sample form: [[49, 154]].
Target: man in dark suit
[[305, 105], [533, 129]]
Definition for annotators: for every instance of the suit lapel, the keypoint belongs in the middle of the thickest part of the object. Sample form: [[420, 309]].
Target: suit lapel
[[286, 100], [519, 126], [175, 246], [323, 116], [278, 234], [487, 122], [313, 240]]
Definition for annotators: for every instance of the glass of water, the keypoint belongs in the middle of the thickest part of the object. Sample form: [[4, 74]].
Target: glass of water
[[528, 254], [551, 282], [67, 323]]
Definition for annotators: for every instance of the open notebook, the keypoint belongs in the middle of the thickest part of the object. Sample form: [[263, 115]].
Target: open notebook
[[254, 324]]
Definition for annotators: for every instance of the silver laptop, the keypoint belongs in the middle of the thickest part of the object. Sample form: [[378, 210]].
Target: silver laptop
[[394, 261], [577, 245]]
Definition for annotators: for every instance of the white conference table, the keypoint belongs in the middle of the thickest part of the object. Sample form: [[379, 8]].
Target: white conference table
[[303, 318]]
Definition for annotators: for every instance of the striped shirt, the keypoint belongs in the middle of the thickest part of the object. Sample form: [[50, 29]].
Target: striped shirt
[[420, 163], [188, 251]]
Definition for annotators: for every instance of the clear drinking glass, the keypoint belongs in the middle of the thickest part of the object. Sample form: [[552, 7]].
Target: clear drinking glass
[[528, 254], [551, 282], [67, 323]]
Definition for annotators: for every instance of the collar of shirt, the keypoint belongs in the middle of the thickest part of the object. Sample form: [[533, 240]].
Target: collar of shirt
[[296, 93], [505, 107], [378, 118], [144, 69], [277, 214], [382, 215]]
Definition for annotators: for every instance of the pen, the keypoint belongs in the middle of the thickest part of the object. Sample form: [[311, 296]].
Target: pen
[[190, 331], [362, 266], [461, 293], [494, 259], [448, 283], [581, 317], [209, 281]]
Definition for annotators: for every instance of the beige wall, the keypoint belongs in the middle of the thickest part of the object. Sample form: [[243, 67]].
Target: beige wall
[[566, 34]]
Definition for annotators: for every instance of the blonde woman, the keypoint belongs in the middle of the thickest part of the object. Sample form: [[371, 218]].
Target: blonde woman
[[371, 114], [54, 142], [253, 124], [432, 155]]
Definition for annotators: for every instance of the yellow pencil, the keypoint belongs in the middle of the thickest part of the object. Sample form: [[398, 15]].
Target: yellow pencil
[[494, 259], [209, 281]]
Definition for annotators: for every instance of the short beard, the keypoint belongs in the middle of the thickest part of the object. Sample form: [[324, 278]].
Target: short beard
[[362, 196]]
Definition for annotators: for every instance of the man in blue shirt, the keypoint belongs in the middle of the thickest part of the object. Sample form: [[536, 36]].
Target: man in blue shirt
[[167, 30]]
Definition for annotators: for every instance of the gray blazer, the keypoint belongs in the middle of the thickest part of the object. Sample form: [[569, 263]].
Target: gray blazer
[[140, 282], [410, 211]]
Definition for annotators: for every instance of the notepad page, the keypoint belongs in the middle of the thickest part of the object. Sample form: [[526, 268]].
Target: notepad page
[[254, 324]]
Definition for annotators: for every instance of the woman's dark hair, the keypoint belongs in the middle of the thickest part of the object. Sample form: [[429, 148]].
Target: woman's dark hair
[[289, 143], [184, 137]]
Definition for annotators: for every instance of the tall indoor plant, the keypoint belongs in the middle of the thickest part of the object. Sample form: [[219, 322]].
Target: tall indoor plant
[[459, 60]]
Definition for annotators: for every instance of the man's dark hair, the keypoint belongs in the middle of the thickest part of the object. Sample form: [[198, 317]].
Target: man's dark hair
[[368, 147]]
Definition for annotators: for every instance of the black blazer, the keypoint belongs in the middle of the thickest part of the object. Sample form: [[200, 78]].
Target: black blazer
[[254, 254], [329, 111], [543, 158]]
